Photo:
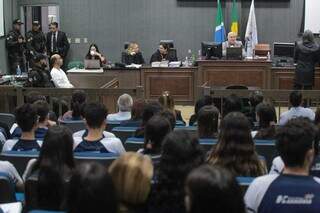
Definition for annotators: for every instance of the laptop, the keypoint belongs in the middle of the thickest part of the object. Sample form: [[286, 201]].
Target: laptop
[[92, 64], [234, 53]]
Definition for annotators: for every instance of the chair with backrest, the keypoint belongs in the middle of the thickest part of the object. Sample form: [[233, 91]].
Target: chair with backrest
[[245, 182], [19, 159], [74, 126], [104, 158], [7, 189], [133, 144], [192, 130], [123, 133], [267, 149], [112, 124], [208, 144], [8, 119]]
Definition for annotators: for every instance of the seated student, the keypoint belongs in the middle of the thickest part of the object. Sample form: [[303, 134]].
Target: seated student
[[232, 103], [235, 150], [180, 155], [205, 101], [27, 120], [232, 42], [132, 55], [91, 189], [167, 114], [132, 174], [167, 102], [208, 119], [136, 114], [156, 130], [53, 169], [255, 98], [213, 189], [94, 54], [278, 164], [78, 100], [42, 108], [149, 110], [58, 76], [125, 102], [294, 190], [7, 168], [163, 54], [95, 140], [296, 110], [266, 117]]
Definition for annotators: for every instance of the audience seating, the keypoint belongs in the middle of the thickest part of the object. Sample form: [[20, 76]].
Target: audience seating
[[19, 159], [44, 211], [180, 123], [112, 124], [133, 144], [8, 119], [123, 133], [245, 182], [193, 130], [7, 189], [104, 158], [74, 126], [267, 149]]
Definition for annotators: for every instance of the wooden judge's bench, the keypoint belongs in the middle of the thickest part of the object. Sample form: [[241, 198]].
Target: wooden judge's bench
[[184, 83]]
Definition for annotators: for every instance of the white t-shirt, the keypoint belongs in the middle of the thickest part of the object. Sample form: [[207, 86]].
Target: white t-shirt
[[60, 78], [119, 116], [296, 112], [7, 168]]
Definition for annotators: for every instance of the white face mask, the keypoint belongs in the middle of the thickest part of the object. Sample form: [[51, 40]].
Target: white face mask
[[92, 52]]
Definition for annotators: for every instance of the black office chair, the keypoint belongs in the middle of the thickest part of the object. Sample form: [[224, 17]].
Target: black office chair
[[7, 189], [104, 158], [8, 119], [170, 43]]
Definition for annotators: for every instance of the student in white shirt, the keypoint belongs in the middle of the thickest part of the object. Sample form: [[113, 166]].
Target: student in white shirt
[[27, 120], [125, 103], [58, 76], [7, 168], [95, 140], [294, 190], [296, 110]]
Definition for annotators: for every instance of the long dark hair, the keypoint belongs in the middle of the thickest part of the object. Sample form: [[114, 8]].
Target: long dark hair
[[78, 100], [213, 189], [267, 114], [91, 190], [55, 164], [180, 154], [92, 45], [235, 150], [208, 118]]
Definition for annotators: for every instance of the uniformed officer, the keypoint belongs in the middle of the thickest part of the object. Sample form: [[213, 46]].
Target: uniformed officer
[[15, 43], [36, 41], [39, 76]]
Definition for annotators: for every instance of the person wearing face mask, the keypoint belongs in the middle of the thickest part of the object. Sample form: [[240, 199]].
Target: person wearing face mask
[[94, 54], [132, 55], [39, 75], [232, 42], [163, 54], [58, 76]]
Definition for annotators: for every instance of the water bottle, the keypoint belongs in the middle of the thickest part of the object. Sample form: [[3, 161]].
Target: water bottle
[[190, 62], [199, 55], [269, 56], [186, 62], [18, 71]]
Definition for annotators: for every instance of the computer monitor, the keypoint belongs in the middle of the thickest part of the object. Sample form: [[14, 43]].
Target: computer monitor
[[283, 50], [168, 42], [211, 50], [234, 53]]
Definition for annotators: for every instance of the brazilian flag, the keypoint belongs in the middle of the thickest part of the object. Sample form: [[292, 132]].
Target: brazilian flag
[[234, 18]]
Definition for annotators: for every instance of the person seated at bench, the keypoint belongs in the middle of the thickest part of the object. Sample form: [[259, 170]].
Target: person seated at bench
[[52, 170], [125, 102], [213, 189], [58, 76], [163, 54], [208, 119], [27, 119], [132, 55], [235, 150], [149, 111], [156, 130], [266, 117], [42, 108], [94, 54], [167, 102], [78, 100], [294, 189], [8, 169], [136, 114], [91, 189], [132, 175], [95, 140]]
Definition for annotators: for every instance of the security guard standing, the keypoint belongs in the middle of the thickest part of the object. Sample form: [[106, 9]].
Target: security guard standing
[[15, 43], [39, 76], [36, 42]]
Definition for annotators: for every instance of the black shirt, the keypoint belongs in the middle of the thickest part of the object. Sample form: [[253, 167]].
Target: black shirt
[[128, 59], [158, 57]]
